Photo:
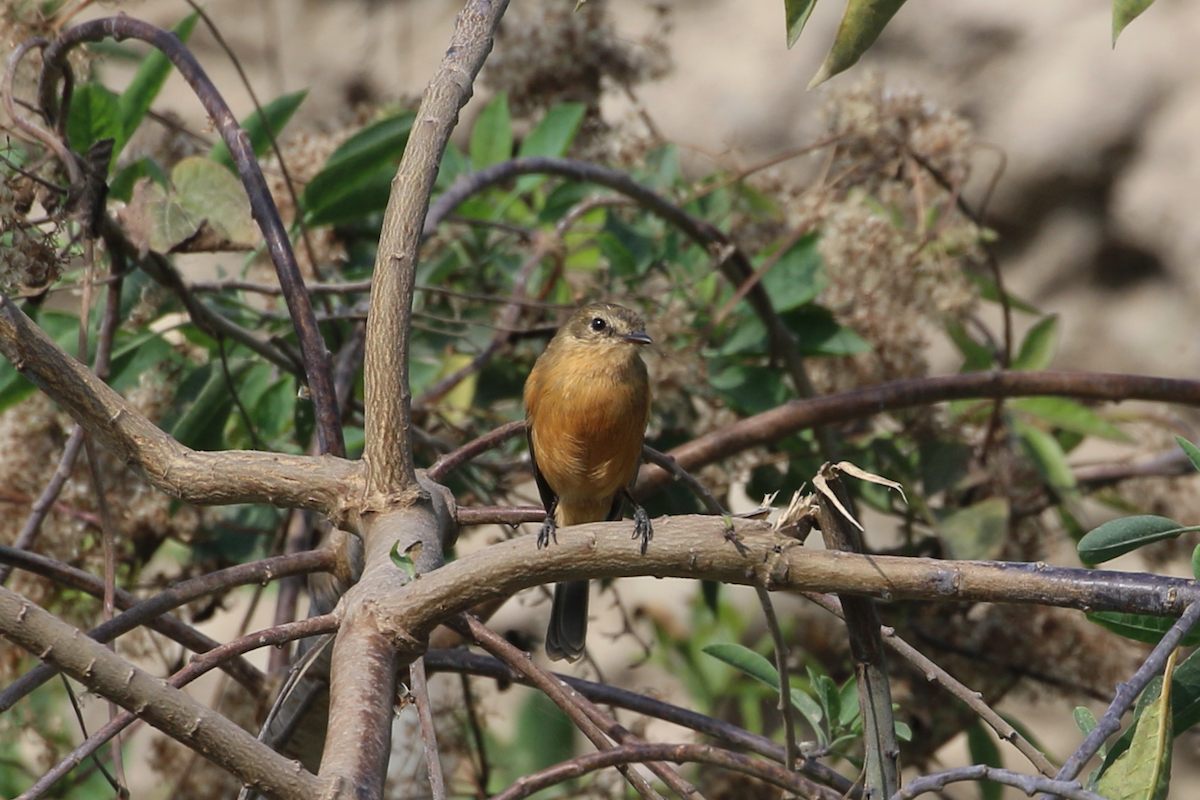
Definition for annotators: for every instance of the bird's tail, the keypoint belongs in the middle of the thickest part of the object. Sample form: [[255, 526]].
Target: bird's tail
[[567, 634]]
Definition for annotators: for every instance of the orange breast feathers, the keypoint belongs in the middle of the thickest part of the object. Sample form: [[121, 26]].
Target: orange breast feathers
[[587, 408]]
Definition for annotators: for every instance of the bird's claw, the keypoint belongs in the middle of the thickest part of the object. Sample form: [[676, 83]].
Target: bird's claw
[[642, 529], [548, 533]]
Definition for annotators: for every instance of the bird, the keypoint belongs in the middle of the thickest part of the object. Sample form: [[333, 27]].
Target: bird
[[587, 403]]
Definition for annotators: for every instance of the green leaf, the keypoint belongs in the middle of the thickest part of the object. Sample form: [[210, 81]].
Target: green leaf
[[121, 185], [819, 334], [551, 139], [1185, 705], [93, 116], [1085, 720], [1125, 12], [976, 356], [1120, 536], [356, 180], [274, 114], [492, 136], [861, 25], [977, 532], [202, 405], [762, 670], [1140, 627], [1144, 771], [545, 735], [206, 191], [137, 98], [983, 750], [1068, 415], [1196, 563], [988, 290], [403, 561], [943, 463], [1038, 348], [1048, 457], [1193, 453], [796, 13], [750, 389], [796, 278]]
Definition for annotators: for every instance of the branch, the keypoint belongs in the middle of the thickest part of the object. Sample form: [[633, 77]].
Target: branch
[[462, 661], [594, 724], [1128, 692], [388, 398], [262, 207], [163, 706], [200, 665], [678, 753], [733, 262], [696, 547], [326, 484], [770, 426], [153, 611], [933, 672], [1029, 784]]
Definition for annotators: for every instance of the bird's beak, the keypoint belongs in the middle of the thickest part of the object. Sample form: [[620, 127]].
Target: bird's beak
[[637, 337]]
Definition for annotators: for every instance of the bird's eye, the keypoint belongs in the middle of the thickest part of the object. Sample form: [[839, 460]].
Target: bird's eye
[[598, 324]]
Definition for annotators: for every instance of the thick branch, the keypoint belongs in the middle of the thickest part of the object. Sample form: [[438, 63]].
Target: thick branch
[[696, 547], [326, 484], [163, 706], [387, 394]]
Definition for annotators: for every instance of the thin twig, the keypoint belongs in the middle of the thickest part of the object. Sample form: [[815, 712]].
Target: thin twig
[[770, 426], [312, 345], [420, 691], [624, 755], [483, 768], [784, 703], [553, 688], [456, 458], [152, 611], [933, 672], [464, 662], [1127, 693], [937, 781]]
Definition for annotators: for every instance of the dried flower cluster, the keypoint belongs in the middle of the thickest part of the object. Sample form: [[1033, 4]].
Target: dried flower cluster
[[893, 241], [547, 53]]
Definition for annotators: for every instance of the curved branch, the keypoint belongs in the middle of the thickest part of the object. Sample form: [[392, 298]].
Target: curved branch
[[770, 426], [162, 705], [733, 262], [262, 207], [325, 484]]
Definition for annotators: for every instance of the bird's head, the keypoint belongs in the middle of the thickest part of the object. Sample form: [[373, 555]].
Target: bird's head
[[606, 325]]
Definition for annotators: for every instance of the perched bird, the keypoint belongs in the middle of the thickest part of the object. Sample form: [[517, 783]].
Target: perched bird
[[587, 402]]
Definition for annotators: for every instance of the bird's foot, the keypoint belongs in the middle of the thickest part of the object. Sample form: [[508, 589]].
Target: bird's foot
[[548, 533], [642, 529]]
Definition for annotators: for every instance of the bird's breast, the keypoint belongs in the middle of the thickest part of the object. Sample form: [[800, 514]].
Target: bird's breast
[[587, 421]]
